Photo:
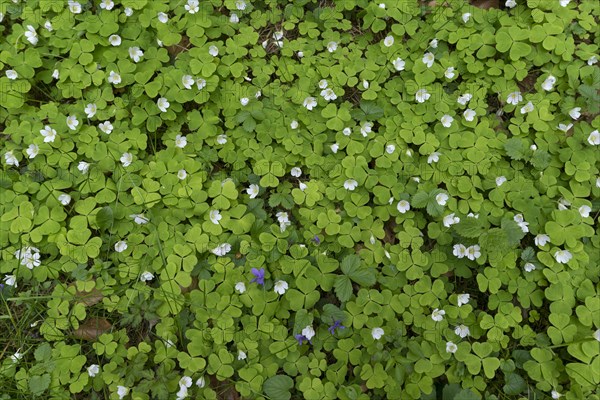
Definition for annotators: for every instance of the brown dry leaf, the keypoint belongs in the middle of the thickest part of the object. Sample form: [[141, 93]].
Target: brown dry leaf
[[92, 328], [486, 4], [89, 298]]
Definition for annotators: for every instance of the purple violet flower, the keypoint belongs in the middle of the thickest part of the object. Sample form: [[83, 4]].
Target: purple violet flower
[[336, 325], [300, 338], [317, 240], [259, 276]]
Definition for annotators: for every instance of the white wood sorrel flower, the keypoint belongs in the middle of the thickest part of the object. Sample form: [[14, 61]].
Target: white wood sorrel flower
[[377, 333]]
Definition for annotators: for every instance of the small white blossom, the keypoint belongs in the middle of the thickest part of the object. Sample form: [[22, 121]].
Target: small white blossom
[[390, 148], [240, 5], [462, 331], [533, 147], [64, 199], [441, 199], [294, 124], [213, 51], [594, 138], [473, 252], [139, 219], [510, 4], [464, 99], [438, 315], [280, 287], [433, 43], [10, 280], [428, 59], [564, 3], [334, 147], [300, 54], [222, 139], [422, 95], [114, 40], [597, 335], [90, 110], [350, 184], [201, 382], [48, 26], [11, 74], [72, 122], [399, 64], [17, 356], [433, 157], [527, 108], [323, 84], [107, 5], [592, 60], [244, 101], [114, 78], [215, 216], [135, 54], [126, 159], [74, 7], [192, 6], [233, 18], [450, 220], [548, 83], [32, 150], [240, 287], [469, 115], [466, 17], [308, 332], [83, 167], [347, 131], [163, 104], [296, 172], [128, 11], [221, 249], [554, 393], [541, 240], [366, 128], [328, 94], [403, 206], [500, 180], [93, 370], [451, 347], [31, 35], [584, 211], [122, 391], [120, 246], [388, 41], [302, 186], [528, 267], [331, 47], [563, 204], [514, 98], [106, 127], [575, 113], [377, 333], [309, 103], [463, 299], [253, 191], [449, 73], [182, 174], [162, 17], [10, 158], [563, 256], [180, 141], [446, 121], [459, 250]]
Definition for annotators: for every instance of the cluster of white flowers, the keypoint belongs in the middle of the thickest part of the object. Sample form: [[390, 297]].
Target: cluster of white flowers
[[521, 222], [471, 252], [184, 384], [29, 257]]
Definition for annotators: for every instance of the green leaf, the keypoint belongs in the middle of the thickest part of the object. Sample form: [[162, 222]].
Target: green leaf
[[278, 387], [514, 384], [470, 227], [343, 288], [105, 218]]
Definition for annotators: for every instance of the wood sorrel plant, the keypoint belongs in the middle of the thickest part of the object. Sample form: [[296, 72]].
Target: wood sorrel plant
[[306, 199]]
